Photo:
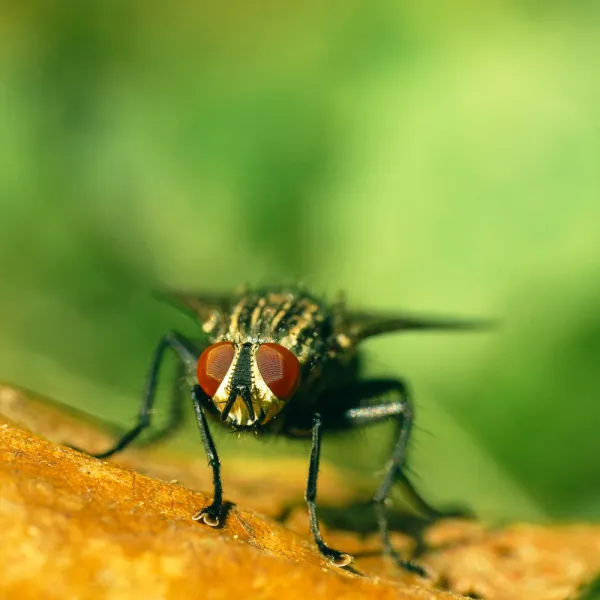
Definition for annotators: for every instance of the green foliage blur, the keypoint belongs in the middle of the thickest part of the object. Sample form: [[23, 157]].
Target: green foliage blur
[[441, 158]]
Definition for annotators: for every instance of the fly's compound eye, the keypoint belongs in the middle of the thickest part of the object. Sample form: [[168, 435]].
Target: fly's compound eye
[[279, 368], [213, 365]]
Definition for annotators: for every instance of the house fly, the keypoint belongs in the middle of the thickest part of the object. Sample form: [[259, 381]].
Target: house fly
[[281, 361]]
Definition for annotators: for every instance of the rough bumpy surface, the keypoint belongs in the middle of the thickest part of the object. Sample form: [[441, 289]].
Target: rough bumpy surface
[[76, 527]]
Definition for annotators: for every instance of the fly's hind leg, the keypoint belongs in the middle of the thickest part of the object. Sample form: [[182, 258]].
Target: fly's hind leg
[[369, 410]]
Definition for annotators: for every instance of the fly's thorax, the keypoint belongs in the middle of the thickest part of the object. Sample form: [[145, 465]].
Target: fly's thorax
[[294, 319], [248, 382]]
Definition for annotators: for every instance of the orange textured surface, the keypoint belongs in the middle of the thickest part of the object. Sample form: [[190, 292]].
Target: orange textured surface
[[76, 527]]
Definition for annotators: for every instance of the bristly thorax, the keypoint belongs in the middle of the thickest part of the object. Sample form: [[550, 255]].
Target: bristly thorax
[[291, 318]]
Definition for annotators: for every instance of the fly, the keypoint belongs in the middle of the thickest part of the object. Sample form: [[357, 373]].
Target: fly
[[280, 361]]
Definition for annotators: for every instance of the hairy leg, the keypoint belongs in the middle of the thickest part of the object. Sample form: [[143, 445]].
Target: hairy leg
[[187, 355], [338, 559], [210, 515]]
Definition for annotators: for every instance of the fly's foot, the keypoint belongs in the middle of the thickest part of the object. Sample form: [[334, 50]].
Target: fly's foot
[[337, 559], [98, 455], [409, 566], [209, 515]]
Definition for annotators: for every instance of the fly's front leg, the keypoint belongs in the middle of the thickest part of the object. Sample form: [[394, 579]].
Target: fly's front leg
[[210, 515], [186, 353], [338, 559]]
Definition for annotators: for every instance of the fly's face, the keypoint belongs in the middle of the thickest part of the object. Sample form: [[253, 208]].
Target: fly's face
[[248, 382]]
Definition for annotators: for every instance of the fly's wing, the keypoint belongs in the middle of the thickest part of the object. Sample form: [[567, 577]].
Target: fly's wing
[[208, 308], [361, 325]]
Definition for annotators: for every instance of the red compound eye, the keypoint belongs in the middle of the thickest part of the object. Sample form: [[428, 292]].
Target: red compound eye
[[213, 365], [279, 368]]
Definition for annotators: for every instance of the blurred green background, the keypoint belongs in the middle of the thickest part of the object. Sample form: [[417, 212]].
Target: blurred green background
[[432, 157]]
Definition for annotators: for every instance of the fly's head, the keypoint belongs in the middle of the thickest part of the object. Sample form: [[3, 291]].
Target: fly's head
[[248, 382]]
